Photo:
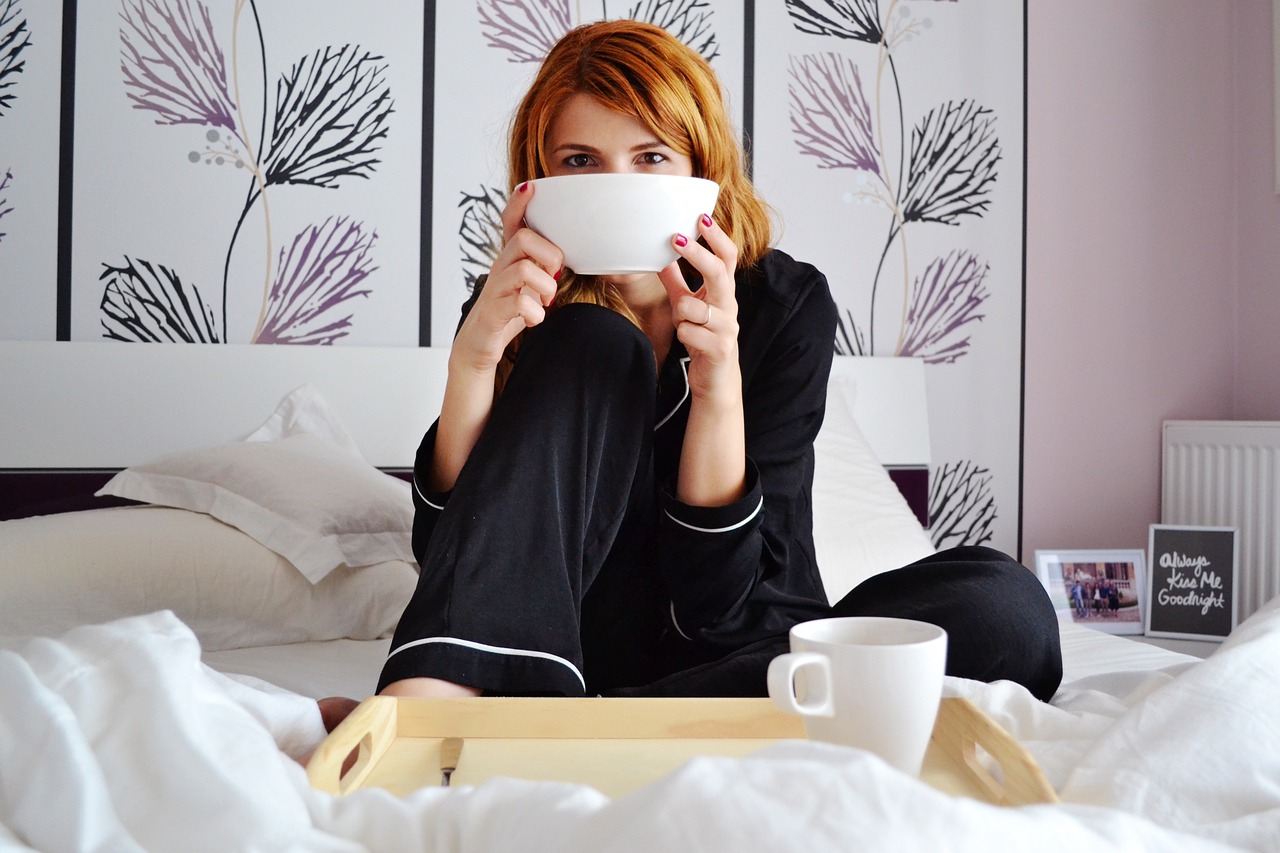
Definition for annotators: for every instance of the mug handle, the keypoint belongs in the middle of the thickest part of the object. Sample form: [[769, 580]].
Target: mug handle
[[819, 701]]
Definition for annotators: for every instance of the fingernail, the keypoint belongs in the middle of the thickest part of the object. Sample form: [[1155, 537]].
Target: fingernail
[[706, 220], [523, 188], [682, 240], [559, 273]]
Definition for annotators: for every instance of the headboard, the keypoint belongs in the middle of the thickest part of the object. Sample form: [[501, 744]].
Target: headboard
[[73, 413]]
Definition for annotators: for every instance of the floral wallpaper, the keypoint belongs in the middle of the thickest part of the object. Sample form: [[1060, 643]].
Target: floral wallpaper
[[329, 114], [15, 38], [323, 172], [268, 153]]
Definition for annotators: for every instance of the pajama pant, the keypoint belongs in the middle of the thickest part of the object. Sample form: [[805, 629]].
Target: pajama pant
[[538, 578]]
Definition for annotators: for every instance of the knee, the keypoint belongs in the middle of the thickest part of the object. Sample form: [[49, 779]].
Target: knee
[[1000, 621]]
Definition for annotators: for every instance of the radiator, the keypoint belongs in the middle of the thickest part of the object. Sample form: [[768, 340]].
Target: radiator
[[1227, 474]]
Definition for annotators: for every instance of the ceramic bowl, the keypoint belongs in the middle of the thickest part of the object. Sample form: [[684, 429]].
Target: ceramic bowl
[[618, 224]]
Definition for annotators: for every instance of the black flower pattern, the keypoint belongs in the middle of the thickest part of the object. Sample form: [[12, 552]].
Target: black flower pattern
[[15, 38], [148, 302]]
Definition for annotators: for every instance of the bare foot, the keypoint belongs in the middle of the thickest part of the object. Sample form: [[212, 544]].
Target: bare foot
[[334, 710]]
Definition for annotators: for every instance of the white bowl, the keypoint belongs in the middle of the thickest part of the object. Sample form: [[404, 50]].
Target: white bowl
[[617, 224]]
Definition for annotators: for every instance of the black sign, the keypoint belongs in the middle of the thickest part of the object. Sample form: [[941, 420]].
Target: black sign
[[1192, 591]]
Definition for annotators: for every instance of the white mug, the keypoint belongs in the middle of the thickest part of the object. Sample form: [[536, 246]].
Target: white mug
[[865, 681]]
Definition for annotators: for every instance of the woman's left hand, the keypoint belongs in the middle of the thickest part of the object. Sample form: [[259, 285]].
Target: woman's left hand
[[713, 456], [707, 321]]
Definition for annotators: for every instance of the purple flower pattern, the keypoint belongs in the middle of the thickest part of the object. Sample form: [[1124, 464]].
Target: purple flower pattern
[[524, 29], [331, 114], [947, 297], [830, 116], [322, 268], [172, 64]]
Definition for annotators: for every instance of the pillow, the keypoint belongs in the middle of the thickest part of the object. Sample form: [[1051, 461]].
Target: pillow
[[77, 568], [862, 525], [297, 485]]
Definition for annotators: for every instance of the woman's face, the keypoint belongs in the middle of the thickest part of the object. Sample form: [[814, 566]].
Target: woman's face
[[586, 137]]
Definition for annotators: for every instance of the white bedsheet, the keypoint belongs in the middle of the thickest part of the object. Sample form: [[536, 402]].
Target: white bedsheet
[[351, 667], [117, 737], [316, 669]]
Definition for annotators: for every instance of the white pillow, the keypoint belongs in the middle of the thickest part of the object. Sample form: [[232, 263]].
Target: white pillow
[[61, 571], [304, 412], [862, 525], [298, 485]]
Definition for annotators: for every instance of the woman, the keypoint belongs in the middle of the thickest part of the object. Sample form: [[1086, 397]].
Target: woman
[[616, 495]]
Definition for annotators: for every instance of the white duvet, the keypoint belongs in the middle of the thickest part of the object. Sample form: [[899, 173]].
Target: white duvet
[[117, 737]]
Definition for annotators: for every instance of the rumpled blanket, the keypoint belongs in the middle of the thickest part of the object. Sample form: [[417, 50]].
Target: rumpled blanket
[[117, 737]]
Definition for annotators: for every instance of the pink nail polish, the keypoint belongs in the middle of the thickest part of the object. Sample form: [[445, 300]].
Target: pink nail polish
[[559, 273], [523, 188], [682, 240], [706, 220]]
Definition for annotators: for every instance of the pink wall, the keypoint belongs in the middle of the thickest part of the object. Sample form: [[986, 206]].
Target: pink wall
[[1152, 240], [1258, 219]]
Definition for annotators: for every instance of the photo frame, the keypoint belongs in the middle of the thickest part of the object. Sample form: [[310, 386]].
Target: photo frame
[[1193, 582], [1100, 589]]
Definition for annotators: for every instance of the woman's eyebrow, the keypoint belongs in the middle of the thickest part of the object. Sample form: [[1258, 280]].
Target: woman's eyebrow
[[648, 145], [576, 146]]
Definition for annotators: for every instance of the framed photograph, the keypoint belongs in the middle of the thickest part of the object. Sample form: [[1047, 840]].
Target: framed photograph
[[1103, 590], [1192, 583]]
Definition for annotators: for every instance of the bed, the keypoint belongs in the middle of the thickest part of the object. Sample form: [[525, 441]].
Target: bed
[[220, 537]]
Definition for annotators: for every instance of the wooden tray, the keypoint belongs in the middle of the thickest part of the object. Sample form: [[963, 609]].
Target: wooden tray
[[617, 745]]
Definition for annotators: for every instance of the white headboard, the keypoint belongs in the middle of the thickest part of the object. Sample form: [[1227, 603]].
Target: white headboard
[[111, 405], [107, 405]]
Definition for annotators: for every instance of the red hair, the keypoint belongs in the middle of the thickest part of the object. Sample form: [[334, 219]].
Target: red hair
[[642, 70]]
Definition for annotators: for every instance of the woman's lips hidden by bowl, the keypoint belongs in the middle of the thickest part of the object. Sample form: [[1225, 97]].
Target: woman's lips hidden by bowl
[[618, 224]]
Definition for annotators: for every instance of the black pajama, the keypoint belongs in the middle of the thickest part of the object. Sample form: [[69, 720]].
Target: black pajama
[[560, 563], [562, 472]]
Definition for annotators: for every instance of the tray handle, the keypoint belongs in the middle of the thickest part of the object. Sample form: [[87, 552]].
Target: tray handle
[[962, 728], [368, 731]]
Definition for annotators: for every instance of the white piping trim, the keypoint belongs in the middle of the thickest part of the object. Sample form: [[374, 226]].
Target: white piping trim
[[425, 499], [734, 526], [677, 624], [493, 649], [684, 368]]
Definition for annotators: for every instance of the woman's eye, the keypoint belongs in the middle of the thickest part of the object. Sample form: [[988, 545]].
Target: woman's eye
[[577, 161], [653, 158]]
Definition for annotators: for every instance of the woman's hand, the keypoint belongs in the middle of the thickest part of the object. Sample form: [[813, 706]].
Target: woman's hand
[[521, 284], [707, 321], [713, 457]]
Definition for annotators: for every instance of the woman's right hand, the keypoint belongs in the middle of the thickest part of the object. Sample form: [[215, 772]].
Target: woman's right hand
[[521, 284]]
